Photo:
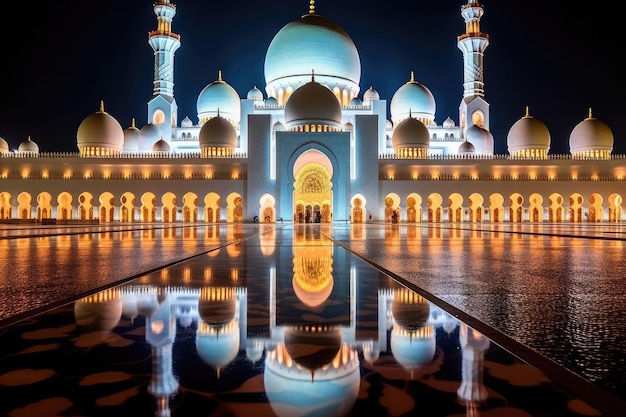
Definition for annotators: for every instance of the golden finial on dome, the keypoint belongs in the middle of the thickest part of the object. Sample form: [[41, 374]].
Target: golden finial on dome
[[219, 75], [590, 115], [527, 112], [132, 123], [311, 6], [101, 106], [412, 80]]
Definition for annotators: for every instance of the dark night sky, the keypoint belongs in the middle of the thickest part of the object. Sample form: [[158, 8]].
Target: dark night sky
[[64, 57]]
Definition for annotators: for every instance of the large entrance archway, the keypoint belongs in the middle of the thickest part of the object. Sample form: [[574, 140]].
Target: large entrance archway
[[312, 188]]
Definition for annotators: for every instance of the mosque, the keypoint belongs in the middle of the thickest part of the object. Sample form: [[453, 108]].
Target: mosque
[[304, 149]]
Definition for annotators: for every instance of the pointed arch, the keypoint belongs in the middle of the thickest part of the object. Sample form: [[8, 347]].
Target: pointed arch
[[168, 207], [555, 208], [435, 209], [107, 207], [576, 208], [212, 208], [476, 209], [414, 208], [455, 208], [535, 209], [148, 207], [85, 206], [6, 210], [64, 206], [516, 208], [496, 207]]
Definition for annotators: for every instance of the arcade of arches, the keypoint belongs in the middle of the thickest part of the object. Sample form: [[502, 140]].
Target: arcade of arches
[[313, 203]]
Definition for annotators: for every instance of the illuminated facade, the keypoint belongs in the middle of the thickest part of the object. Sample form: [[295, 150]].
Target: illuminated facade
[[306, 149]]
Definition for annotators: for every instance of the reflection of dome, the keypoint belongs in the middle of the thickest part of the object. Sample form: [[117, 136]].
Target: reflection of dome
[[217, 305], [217, 132], [217, 348], [410, 310], [148, 135], [312, 104], [219, 98], [591, 137], [413, 99], [481, 138], [529, 134], [100, 311], [28, 146], [100, 131], [312, 347], [411, 136], [413, 342], [312, 43], [332, 392], [131, 138]]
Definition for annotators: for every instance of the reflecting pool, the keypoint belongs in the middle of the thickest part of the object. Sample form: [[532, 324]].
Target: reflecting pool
[[284, 323]]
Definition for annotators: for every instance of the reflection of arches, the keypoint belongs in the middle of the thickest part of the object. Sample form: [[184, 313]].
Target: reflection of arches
[[168, 207], [496, 207], [64, 206], [576, 208], [190, 207], [85, 206], [44, 206], [107, 209], [555, 208], [414, 208], [435, 210], [595, 208], [475, 203], [148, 207], [5, 205], [24, 206], [267, 208], [212, 208], [535, 208], [128, 207], [357, 208], [615, 208], [515, 207], [455, 207]]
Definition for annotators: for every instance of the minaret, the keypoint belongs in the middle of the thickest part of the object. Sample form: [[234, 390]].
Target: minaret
[[162, 108], [474, 110]]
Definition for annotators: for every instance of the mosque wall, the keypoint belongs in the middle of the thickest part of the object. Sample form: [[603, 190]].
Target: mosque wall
[[258, 138], [366, 182]]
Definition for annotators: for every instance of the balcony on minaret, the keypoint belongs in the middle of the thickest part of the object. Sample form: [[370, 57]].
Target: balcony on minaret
[[164, 33], [472, 35]]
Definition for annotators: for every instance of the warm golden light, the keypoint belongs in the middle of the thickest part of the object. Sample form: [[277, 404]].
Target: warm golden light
[[45, 174], [67, 174]]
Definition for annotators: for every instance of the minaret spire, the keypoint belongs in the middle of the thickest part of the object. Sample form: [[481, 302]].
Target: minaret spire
[[473, 44], [162, 108], [312, 7], [164, 42]]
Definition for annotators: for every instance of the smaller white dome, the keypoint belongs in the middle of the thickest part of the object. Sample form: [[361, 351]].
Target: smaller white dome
[[28, 146], [448, 123], [131, 138], [100, 130], [371, 95], [271, 101], [591, 135], [217, 132], [186, 122], [410, 133], [255, 94], [161, 146], [467, 148], [219, 97], [313, 104], [528, 133]]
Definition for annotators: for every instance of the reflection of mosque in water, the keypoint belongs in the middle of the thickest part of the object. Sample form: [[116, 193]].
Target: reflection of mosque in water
[[316, 147], [318, 330]]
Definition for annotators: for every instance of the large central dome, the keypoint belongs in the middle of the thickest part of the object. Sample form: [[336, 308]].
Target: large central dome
[[310, 44]]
